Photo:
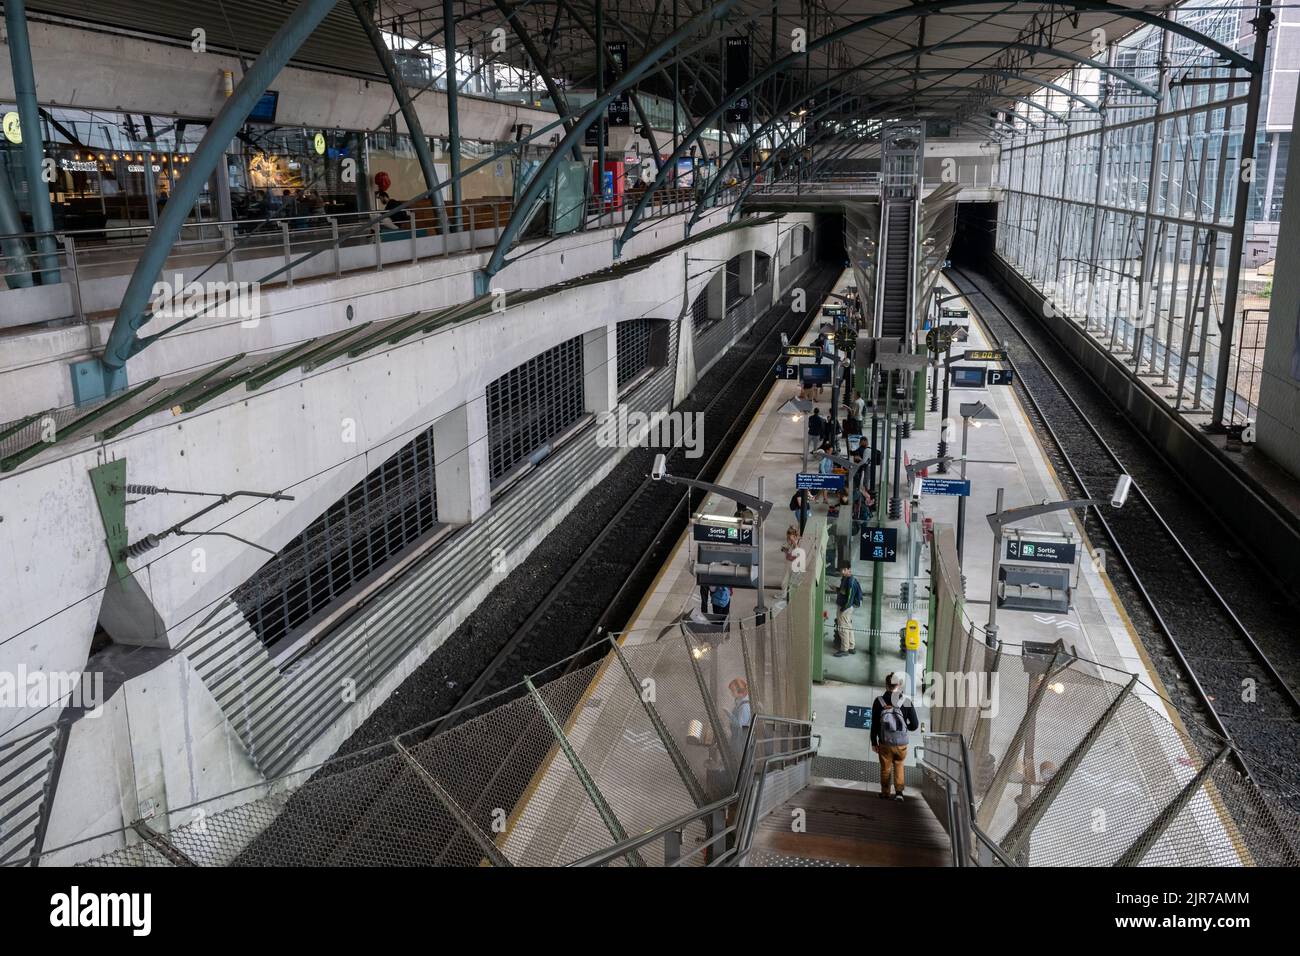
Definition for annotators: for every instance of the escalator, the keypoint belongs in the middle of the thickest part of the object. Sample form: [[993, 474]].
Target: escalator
[[896, 276]]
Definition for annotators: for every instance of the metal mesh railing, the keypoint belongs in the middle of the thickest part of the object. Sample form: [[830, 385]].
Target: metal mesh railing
[[564, 770], [1077, 764]]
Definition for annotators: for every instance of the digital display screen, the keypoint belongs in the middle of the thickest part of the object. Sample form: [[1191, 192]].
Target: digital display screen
[[264, 110], [968, 376], [815, 374]]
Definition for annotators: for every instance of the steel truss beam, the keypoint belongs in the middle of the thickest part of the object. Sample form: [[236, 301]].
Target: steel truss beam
[[715, 13], [870, 22]]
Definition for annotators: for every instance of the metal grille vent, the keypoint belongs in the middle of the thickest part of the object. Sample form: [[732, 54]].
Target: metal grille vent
[[531, 404], [633, 348], [700, 309], [372, 524]]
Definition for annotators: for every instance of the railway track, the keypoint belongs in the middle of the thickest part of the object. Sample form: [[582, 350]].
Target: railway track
[[635, 543], [486, 767], [1218, 665]]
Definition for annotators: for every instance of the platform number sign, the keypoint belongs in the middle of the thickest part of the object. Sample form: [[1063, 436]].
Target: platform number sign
[[878, 544], [857, 717]]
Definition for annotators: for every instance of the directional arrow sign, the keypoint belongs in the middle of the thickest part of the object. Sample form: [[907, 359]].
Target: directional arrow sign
[[878, 544], [1000, 376], [1040, 552], [946, 486]]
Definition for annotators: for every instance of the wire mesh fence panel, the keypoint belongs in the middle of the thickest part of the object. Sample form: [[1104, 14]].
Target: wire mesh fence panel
[[1076, 764]]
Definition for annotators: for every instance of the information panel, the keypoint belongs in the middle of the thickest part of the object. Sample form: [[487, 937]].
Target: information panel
[[878, 544], [1041, 552], [946, 486], [815, 481]]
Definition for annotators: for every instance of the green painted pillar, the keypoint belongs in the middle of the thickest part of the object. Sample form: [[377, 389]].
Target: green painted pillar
[[878, 567], [919, 381]]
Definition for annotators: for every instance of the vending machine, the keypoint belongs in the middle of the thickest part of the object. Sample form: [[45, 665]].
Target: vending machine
[[607, 184]]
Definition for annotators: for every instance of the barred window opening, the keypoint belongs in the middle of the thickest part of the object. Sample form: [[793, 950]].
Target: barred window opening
[[357, 536], [700, 309], [633, 344], [533, 403]]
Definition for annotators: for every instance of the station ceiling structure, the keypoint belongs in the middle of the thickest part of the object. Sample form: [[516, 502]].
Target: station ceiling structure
[[947, 59], [817, 72]]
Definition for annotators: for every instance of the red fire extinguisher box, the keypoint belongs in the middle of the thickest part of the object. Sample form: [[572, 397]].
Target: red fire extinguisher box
[[608, 188]]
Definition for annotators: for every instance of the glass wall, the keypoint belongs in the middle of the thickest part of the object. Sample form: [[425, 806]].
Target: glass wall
[[113, 171], [1123, 215]]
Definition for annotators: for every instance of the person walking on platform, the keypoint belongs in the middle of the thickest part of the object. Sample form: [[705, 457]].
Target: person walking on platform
[[791, 546], [801, 506], [847, 597], [892, 716], [720, 598], [740, 716], [816, 425], [825, 466]]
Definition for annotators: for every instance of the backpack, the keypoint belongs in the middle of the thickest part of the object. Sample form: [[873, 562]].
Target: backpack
[[893, 725], [855, 595]]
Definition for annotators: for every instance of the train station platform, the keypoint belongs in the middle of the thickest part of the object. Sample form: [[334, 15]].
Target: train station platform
[[1143, 771], [844, 822]]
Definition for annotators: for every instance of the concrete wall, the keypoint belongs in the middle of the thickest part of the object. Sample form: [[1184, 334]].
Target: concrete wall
[[312, 435]]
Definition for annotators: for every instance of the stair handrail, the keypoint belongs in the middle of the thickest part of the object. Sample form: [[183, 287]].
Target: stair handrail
[[745, 797], [961, 831]]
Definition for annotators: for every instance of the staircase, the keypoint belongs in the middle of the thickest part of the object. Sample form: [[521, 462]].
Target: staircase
[[825, 825], [897, 271]]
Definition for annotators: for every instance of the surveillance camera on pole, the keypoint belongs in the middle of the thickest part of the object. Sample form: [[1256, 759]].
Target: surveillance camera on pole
[[1120, 495], [660, 468]]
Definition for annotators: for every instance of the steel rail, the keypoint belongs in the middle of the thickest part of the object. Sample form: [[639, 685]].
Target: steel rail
[[1168, 632], [467, 699]]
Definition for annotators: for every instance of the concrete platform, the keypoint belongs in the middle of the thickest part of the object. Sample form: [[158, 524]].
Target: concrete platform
[[1004, 453]]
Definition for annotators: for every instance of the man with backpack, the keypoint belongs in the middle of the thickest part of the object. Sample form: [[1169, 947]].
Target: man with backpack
[[892, 716], [816, 425], [848, 597]]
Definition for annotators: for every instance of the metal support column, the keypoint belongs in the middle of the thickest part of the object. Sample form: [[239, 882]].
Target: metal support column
[[453, 106], [1017, 837], [409, 114], [1262, 23], [29, 119], [597, 798], [11, 226]]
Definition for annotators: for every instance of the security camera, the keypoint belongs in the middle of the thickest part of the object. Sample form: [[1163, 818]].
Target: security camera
[[785, 340], [660, 469], [1120, 494]]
